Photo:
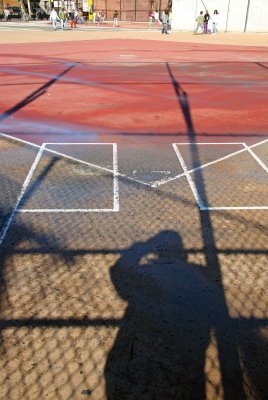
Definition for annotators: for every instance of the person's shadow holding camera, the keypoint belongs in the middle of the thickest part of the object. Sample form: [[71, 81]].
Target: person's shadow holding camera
[[160, 349]]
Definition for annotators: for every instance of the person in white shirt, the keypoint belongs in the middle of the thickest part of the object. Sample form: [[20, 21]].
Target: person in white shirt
[[215, 20], [6, 14], [156, 17], [54, 18], [102, 17]]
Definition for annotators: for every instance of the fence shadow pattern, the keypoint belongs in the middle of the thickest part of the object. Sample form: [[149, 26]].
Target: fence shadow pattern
[[159, 301]]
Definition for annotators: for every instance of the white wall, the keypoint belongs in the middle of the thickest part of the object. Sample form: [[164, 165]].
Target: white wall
[[258, 16], [237, 15], [183, 14], [234, 14]]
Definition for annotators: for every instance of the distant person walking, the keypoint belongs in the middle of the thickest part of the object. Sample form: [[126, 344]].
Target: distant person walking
[[156, 17], [98, 18], [73, 19], [94, 17], [206, 19], [63, 17], [79, 17], [6, 14], [164, 23], [54, 18], [115, 18], [102, 17], [199, 22], [150, 18], [215, 20]]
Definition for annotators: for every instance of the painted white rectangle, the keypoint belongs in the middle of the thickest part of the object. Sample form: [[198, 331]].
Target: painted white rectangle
[[79, 210], [192, 184]]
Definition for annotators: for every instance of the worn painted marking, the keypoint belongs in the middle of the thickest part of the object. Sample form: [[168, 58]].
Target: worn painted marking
[[189, 178], [22, 192]]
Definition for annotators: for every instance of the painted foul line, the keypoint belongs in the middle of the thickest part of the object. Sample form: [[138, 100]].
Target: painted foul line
[[23, 190], [246, 148], [123, 176], [157, 183], [194, 188], [189, 178], [254, 155]]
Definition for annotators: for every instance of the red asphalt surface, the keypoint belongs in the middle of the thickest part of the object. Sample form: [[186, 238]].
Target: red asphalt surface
[[126, 90]]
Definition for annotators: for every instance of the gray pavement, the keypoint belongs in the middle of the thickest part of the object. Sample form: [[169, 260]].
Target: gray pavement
[[87, 26]]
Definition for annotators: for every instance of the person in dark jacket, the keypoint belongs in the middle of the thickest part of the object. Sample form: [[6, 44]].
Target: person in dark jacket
[[115, 18], [206, 19]]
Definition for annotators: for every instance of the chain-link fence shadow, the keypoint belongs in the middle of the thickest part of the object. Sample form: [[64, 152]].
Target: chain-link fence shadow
[[159, 301], [144, 303]]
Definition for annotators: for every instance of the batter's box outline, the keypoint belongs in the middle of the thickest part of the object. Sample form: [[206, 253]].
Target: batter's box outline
[[192, 185], [73, 210]]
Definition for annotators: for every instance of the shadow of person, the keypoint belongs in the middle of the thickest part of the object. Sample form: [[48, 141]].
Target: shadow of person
[[160, 349]]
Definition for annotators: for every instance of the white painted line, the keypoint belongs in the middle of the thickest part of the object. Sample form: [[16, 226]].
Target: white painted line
[[20, 140], [259, 161], [193, 187], [158, 183], [15, 209], [23, 190], [258, 144], [164, 181], [80, 161], [115, 173], [96, 166], [188, 176], [115, 185], [65, 210], [206, 143], [76, 159], [77, 143]]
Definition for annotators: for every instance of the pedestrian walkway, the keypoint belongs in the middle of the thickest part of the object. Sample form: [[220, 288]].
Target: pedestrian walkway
[[87, 25]]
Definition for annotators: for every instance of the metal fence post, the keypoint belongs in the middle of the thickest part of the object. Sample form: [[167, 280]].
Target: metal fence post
[[246, 22]]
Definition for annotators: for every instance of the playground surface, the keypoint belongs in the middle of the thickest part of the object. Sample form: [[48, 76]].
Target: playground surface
[[133, 215]]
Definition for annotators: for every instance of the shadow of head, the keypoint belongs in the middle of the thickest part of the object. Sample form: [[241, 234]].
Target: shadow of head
[[157, 261]]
